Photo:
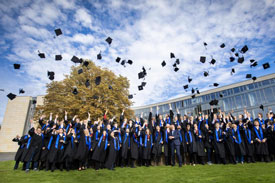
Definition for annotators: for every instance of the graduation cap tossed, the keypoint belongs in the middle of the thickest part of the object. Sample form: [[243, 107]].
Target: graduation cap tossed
[[202, 59], [41, 55], [140, 87], [198, 92], [86, 63], [185, 87], [130, 96], [99, 57], [130, 62], [87, 83], [140, 75], [193, 90], [204, 44], [237, 54], [261, 107], [254, 64], [232, 59], [222, 45], [172, 55], [16, 66], [118, 59], [240, 60], [163, 63], [266, 65], [244, 49], [143, 84], [75, 92], [123, 62], [51, 75], [233, 49], [58, 57], [21, 91], [80, 71], [58, 32], [109, 40], [221, 95], [75, 59], [177, 61], [214, 102], [248, 76], [254, 78], [193, 96], [213, 61], [216, 84], [176, 69], [232, 71], [11, 96], [205, 73], [98, 80], [189, 79]]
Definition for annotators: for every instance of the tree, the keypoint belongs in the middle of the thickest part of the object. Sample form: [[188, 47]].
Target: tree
[[112, 94]]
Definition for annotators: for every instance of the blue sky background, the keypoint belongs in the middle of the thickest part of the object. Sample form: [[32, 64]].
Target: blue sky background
[[143, 31]]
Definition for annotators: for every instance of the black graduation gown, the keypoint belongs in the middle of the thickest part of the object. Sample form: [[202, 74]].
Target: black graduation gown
[[147, 141], [208, 141], [34, 147], [192, 145], [56, 151], [229, 142], [248, 146], [271, 140], [100, 150], [126, 145], [219, 146], [134, 146], [20, 150], [166, 142], [200, 143], [71, 145], [44, 152], [113, 150], [239, 142], [82, 150], [260, 148], [157, 147], [183, 148]]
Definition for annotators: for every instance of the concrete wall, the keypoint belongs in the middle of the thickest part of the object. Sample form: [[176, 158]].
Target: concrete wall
[[13, 123]]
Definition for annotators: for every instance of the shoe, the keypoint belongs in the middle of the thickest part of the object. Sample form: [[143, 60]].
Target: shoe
[[35, 169], [27, 170]]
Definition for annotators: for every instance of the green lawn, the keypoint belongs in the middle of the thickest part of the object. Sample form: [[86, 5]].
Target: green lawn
[[259, 172]]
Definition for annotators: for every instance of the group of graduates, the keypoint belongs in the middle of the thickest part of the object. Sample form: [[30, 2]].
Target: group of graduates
[[105, 143]]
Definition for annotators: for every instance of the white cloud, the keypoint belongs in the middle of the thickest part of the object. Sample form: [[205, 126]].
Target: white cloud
[[83, 17]]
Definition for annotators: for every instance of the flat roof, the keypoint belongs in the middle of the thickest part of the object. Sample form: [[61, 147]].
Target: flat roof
[[241, 83]]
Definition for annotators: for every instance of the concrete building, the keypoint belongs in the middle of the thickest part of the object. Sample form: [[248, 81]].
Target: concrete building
[[17, 120], [246, 94]]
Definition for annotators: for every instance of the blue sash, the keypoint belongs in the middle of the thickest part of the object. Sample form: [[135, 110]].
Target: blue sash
[[50, 142], [166, 136], [72, 141], [190, 136], [260, 137], [106, 141], [217, 134], [248, 137], [180, 137], [29, 142], [239, 141]]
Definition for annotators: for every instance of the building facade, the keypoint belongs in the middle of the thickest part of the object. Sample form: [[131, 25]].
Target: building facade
[[235, 97]]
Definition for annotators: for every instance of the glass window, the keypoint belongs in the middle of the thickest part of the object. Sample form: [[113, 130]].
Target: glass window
[[212, 96], [250, 86], [236, 90], [226, 104], [252, 98], [238, 100], [203, 98], [256, 85], [269, 94], [230, 92], [265, 82], [233, 103], [224, 93]]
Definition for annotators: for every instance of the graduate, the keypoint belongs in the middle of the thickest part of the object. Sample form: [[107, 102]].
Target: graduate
[[157, 145], [199, 137], [219, 144], [229, 143], [146, 142], [114, 147], [260, 139], [70, 149], [21, 142], [271, 140], [100, 151], [239, 144], [125, 150], [191, 144]]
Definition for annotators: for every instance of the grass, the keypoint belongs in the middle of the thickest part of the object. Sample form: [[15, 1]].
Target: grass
[[258, 172]]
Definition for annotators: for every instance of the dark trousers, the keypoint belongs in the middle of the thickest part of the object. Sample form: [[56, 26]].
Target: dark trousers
[[29, 162], [177, 147]]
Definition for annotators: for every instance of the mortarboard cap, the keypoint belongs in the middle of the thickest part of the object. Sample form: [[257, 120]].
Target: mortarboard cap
[[130, 62], [80, 71], [87, 83], [143, 84], [99, 57], [202, 59], [176, 69], [41, 55], [141, 75], [174, 65], [221, 95], [109, 40], [262, 106], [252, 60], [222, 45], [254, 64], [214, 102], [97, 80], [51, 75], [254, 78], [140, 87], [130, 96], [232, 71], [204, 43], [11, 96], [266, 65], [237, 54], [58, 57], [122, 62], [163, 63], [240, 60], [21, 91], [185, 87], [189, 79], [172, 55], [205, 74], [118, 59], [193, 90], [193, 96], [75, 59], [244, 49], [86, 63], [16, 66], [58, 32], [248, 76], [233, 49], [216, 84], [198, 92], [177, 61], [213, 61], [75, 92], [232, 59]]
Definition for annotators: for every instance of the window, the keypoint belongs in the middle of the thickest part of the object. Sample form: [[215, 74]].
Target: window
[[250, 86], [238, 100], [252, 98], [233, 103], [212, 96], [226, 104], [230, 92], [265, 82], [236, 90], [269, 94], [224, 93]]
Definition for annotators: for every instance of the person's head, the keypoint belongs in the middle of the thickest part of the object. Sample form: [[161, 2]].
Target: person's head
[[217, 125], [195, 126], [77, 120], [127, 130], [147, 131], [260, 115], [176, 118], [191, 118], [188, 127], [137, 119], [206, 116], [158, 128], [104, 132], [38, 130], [172, 127], [91, 130], [160, 117], [256, 123], [178, 127], [234, 126], [98, 127], [115, 124], [61, 130], [112, 134], [108, 127], [240, 116]]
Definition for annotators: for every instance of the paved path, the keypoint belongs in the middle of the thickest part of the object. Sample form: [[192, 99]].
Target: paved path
[[7, 156]]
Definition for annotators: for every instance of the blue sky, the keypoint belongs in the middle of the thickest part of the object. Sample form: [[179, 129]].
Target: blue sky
[[143, 31]]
